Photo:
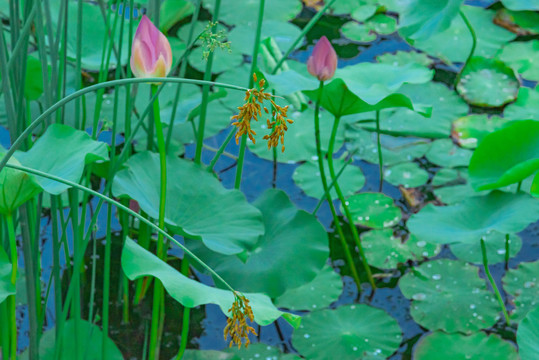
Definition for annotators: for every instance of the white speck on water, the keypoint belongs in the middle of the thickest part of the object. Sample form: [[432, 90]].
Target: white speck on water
[[377, 201], [529, 284], [472, 306], [314, 158], [421, 243], [436, 277], [500, 251], [306, 336], [419, 296], [354, 348]]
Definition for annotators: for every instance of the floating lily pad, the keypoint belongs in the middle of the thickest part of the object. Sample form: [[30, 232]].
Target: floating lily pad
[[479, 346], [523, 58], [307, 177], [519, 22], [495, 245], [506, 156], [455, 43], [6, 287], [422, 19], [395, 150], [191, 354], [518, 5], [352, 332], [233, 12], [526, 106], [444, 176], [439, 289], [487, 83], [373, 210], [325, 289], [366, 32], [358, 32], [292, 251], [408, 175], [445, 153], [446, 107], [473, 218], [401, 58], [523, 285], [386, 251], [138, 262], [224, 221], [454, 194], [469, 131], [68, 151], [257, 351], [528, 335]]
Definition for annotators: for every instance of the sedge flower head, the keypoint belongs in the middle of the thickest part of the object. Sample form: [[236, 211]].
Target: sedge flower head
[[323, 61], [237, 327], [151, 53]]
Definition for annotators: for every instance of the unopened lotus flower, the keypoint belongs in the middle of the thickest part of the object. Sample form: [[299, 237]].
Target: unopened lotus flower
[[323, 60], [151, 53]]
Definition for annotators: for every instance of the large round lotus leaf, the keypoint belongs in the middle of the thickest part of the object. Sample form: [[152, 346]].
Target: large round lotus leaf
[[366, 32], [87, 342], [487, 83], [373, 210], [445, 153], [455, 43], [455, 194], [67, 151], [242, 37], [449, 295], [422, 19], [353, 332], [495, 245], [292, 251], [395, 150], [523, 58], [523, 285], [528, 335], [325, 289], [138, 262], [526, 106], [191, 354], [446, 107], [479, 346], [443, 176], [260, 351], [473, 218], [299, 139], [408, 175], [518, 5], [385, 251], [6, 287], [223, 60], [401, 58], [235, 12], [197, 204], [506, 156], [307, 177], [469, 131]]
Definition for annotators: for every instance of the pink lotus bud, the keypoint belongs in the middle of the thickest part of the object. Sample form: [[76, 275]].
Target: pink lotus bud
[[323, 60], [151, 53]]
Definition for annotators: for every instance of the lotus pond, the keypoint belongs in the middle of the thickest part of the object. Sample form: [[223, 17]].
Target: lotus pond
[[269, 179]]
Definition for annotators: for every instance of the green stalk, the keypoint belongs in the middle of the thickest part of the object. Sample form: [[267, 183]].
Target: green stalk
[[59, 323], [4, 329], [206, 92], [220, 150], [492, 283], [320, 156], [106, 283], [254, 59], [158, 287], [507, 249], [474, 37], [11, 304], [186, 314], [77, 249], [344, 204], [12, 247], [380, 157]]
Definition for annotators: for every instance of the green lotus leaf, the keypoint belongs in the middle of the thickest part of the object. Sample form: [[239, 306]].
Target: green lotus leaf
[[386, 251], [422, 19], [307, 177], [526, 106], [62, 151], [33, 86], [444, 175], [292, 251], [528, 335], [408, 175], [518, 5], [172, 11], [455, 43], [191, 354], [258, 351], [401, 58], [444, 152], [138, 262], [439, 289], [487, 83], [468, 221], [223, 59], [6, 287], [353, 332], [16, 187], [361, 13], [233, 12], [358, 32], [242, 37], [523, 22], [534, 190], [325, 289], [522, 57], [506, 156], [395, 150], [479, 346], [87, 342], [523, 285], [197, 204], [469, 131], [446, 107], [373, 210], [290, 81], [456, 193], [366, 32], [495, 245]]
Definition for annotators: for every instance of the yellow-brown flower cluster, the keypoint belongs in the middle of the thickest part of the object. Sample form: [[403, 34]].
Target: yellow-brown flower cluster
[[252, 109], [236, 325]]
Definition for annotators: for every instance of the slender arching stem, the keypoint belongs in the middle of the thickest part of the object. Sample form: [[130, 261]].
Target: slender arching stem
[[344, 203], [322, 171], [472, 32], [492, 283], [380, 157], [507, 249]]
